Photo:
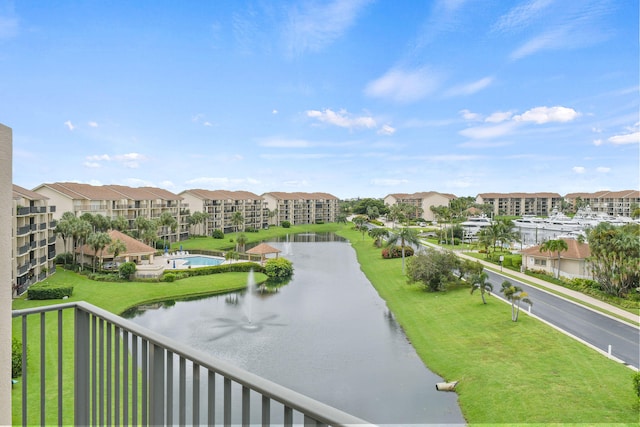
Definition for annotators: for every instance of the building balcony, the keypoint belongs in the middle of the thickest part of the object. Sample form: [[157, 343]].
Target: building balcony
[[83, 365]]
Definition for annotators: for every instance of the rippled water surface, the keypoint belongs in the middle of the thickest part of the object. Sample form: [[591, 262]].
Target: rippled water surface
[[326, 334]]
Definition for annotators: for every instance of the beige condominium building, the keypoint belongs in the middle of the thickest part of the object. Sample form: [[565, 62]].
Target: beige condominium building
[[423, 200], [518, 204], [34, 240], [614, 203], [221, 205], [114, 201], [301, 208]]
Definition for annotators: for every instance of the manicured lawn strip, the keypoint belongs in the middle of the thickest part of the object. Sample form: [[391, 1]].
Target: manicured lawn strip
[[524, 372], [114, 297], [211, 244]]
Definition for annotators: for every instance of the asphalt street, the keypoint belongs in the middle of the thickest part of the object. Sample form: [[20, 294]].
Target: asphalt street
[[597, 329]]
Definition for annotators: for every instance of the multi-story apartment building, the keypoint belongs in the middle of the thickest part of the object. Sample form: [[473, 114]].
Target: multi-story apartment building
[[517, 204], [614, 203], [33, 239], [114, 201], [422, 200], [220, 206], [301, 208]]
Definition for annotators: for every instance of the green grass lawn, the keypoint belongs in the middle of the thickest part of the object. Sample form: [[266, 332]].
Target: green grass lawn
[[509, 373], [515, 373]]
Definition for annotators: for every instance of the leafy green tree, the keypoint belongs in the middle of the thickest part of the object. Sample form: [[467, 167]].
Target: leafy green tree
[[468, 268], [363, 206], [480, 282], [558, 246], [515, 295], [360, 222], [126, 270], [373, 212], [378, 233], [615, 256], [433, 268], [279, 268], [405, 235], [98, 241]]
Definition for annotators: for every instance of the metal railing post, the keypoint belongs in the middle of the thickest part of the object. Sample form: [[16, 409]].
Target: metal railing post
[[81, 371], [156, 385]]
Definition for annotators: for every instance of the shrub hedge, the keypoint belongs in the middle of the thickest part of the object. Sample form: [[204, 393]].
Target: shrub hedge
[[396, 252], [243, 267], [44, 291]]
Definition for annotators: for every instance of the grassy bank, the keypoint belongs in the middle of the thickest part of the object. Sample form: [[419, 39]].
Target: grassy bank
[[516, 373]]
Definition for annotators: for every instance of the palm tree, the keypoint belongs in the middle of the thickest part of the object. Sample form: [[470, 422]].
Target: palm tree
[[480, 281], [98, 241], [361, 224], [80, 230], [237, 219], [378, 234], [241, 240], [167, 221], [515, 294], [405, 235], [116, 248], [557, 246]]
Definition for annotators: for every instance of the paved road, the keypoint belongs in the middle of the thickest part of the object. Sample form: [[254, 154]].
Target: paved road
[[590, 326]]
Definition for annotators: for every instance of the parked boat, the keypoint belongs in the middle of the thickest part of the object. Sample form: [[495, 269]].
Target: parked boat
[[473, 225]]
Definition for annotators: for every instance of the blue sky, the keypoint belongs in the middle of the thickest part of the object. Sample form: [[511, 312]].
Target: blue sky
[[356, 98]]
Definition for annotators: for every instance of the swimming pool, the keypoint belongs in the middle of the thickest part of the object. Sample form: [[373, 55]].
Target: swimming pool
[[201, 261]]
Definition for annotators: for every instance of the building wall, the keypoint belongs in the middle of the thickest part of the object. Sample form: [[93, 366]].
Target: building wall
[[33, 239], [6, 195]]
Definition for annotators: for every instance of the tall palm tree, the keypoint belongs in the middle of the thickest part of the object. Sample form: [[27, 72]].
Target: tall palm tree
[[241, 240], [237, 219], [167, 222], [98, 241], [480, 281], [80, 230], [405, 235], [116, 247], [515, 295], [557, 246]]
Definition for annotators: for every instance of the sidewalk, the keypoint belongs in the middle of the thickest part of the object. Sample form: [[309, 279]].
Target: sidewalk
[[579, 296]]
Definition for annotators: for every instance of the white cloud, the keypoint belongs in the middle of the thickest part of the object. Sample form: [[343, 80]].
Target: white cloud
[[93, 124], [542, 115], [69, 125], [468, 115], [92, 165], [579, 169], [521, 16], [597, 142], [99, 157], [296, 183], [470, 88], [603, 169], [388, 182], [499, 116], [274, 111], [485, 132], [130, 160], [404, 86], [629, 138], [386, 130], [313, 26], [342, 119]]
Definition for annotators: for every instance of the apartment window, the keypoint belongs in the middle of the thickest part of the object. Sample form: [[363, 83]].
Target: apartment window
[[540, 262]]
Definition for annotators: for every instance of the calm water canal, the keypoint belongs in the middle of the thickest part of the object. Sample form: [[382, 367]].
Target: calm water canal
[[326, 334]]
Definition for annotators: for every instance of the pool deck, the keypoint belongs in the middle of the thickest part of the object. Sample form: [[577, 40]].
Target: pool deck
[[176, 261]]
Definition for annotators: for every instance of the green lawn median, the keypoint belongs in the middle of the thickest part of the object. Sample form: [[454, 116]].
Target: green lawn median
[[521, 372]]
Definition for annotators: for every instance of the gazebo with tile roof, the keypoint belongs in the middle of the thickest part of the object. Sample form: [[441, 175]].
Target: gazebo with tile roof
[[263, 249], [135, 250]]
